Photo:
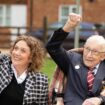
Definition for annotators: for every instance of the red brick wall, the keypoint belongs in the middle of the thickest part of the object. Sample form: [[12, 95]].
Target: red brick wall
[[48, 8], [92, 11], [13, 1]]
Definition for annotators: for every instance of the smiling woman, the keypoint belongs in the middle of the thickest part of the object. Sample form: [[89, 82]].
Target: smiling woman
[[20, 74]]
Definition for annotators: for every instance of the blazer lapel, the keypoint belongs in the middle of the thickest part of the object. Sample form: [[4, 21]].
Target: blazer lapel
[[84, 71], [29, 88], [99, 78]]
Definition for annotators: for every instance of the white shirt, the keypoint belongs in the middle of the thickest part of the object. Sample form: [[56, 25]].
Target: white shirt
[[96, 69], [20, 78]]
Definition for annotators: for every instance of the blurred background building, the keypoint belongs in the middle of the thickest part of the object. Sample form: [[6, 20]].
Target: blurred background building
[[20, 16]]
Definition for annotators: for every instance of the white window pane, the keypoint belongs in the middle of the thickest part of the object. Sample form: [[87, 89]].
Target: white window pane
[[8, 21], [8, 15], [1, 15], [65, 11], [5, 13], [74, 10], [1, 20], [1, 10], [8, 10], [18, 18]]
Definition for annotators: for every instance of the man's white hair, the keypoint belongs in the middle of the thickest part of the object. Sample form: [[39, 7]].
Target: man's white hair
[[97, 39]]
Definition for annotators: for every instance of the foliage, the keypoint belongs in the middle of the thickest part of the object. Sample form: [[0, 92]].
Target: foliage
[[48, 68]]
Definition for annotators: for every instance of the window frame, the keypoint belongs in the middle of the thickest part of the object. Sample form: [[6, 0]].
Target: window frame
[[70, 10], [4, 15]]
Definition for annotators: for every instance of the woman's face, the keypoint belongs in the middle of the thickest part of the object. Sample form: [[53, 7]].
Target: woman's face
[[21, 54]]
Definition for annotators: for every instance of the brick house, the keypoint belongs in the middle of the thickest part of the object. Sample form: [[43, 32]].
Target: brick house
[[31, 13], [13, 14], [57, 10], [54, 10]]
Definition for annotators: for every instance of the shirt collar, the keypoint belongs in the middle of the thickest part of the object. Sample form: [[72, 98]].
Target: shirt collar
[[22, 77], [96, 69]]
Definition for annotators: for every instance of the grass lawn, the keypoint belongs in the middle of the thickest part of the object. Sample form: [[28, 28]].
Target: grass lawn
[[48, 68]]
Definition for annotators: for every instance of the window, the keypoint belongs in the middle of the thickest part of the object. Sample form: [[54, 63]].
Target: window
[[65, 10], [5, 14]]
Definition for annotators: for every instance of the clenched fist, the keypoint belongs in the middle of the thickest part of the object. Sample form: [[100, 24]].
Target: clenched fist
[[72, 22]]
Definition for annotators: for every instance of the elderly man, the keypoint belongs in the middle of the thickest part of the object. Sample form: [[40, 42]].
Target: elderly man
[[85, 73]]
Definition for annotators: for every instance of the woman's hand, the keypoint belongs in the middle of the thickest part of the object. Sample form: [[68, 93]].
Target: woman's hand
[[60, 101]]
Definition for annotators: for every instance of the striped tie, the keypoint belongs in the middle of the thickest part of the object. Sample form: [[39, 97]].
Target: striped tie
[[90, 79]]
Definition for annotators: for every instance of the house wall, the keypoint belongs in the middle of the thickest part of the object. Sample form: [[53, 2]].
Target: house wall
[[13, 1], [92, 11], [6, 36], [37, 10]]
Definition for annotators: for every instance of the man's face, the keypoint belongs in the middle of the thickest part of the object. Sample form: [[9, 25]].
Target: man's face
[[92, 54]]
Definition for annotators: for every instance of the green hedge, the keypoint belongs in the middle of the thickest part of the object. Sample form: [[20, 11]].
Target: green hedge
[[48, 68]]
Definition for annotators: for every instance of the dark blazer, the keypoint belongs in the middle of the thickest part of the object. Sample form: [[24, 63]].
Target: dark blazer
[[72, 65], [36, 85]]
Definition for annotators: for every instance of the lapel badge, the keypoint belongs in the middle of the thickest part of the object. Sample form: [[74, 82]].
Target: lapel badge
[[77, 66]]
